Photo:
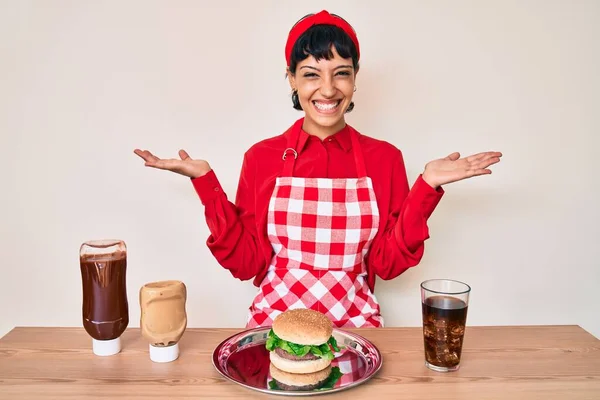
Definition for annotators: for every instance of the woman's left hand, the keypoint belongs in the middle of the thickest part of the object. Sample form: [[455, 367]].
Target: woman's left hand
[[453, 168]]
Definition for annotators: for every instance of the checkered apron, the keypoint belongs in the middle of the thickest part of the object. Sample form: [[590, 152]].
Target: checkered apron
[[320, 230]]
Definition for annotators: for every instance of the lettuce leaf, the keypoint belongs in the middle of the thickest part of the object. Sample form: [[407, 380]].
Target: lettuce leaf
[[329, 383], [331, 379], [299, 350], [273, 385], [333, 343]]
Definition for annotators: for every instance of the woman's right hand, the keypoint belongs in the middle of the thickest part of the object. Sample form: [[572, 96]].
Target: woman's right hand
[[185, 166]]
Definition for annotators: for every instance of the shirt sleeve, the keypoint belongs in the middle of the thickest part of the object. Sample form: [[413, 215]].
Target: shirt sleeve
[[401, 244], [233, 237]]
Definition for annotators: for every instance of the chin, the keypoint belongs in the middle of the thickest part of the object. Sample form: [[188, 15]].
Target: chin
[[329, 121], [326, 120]]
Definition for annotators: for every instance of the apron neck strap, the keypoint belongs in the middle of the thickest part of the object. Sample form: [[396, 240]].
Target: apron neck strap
[[359, 159], [290, 154]]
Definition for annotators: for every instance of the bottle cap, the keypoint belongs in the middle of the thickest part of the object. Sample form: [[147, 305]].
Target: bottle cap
[[164, 354], [106, 347]]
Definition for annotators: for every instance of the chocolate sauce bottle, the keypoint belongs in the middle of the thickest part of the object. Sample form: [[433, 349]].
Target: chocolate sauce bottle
[[105, 309]]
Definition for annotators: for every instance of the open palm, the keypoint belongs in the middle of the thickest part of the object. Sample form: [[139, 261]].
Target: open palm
[[185, 165], [453, 168]]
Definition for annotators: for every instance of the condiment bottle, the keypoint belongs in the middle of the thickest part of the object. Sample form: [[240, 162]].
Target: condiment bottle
[[163, 318], [105, 309]]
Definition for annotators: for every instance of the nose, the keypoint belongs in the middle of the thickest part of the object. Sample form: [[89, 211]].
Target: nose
[[327, 88]]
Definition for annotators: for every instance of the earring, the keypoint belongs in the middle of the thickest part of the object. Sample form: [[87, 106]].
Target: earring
[[296, 100], [355, 88], [350, 107]]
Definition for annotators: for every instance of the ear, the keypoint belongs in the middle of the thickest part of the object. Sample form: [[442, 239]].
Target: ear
[[291, 78]]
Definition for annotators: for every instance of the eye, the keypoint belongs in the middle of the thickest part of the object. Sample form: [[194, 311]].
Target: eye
[[310, 75], [344, 73]]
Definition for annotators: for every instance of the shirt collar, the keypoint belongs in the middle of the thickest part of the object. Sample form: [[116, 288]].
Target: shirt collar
[[341, 137]]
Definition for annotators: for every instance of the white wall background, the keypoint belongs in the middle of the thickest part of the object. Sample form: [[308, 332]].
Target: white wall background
[[83, 83]]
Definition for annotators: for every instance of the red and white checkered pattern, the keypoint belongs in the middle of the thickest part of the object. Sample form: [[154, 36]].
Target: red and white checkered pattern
[[320, 230], [351, 366]]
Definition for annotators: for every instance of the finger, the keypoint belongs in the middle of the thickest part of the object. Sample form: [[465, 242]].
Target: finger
[[184, 155], [486, 154], [145, 154], [486, 162], [140, 153], [151, 156], [490, 154], [454, 156], [482, 171], [476, 172], [476, 157], [170, 164], [155, 163]]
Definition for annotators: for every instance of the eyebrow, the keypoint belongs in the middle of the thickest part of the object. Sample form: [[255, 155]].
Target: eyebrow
[[317, 69]]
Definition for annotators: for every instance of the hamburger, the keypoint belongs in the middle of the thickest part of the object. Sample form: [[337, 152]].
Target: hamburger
[[301, 347]]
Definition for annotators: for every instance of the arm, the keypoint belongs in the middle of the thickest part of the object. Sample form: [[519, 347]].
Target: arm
[[233, 240], [401, 244]]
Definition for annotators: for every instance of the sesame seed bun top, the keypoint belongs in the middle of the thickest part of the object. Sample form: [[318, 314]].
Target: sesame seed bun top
[[303, 326]]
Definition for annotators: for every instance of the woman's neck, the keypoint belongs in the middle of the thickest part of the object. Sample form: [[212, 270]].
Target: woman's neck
[[320, 131]]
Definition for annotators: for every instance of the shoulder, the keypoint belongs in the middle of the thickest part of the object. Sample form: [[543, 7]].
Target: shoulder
[[267, 148], [379, 149]]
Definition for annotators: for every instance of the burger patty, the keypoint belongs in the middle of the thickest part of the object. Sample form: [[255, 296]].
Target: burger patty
[[283, 386], [284, 354]]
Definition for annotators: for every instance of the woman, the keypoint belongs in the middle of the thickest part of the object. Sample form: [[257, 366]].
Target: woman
[[321, 209]]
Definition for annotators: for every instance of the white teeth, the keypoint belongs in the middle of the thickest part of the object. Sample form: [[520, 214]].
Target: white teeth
[[326, 107]]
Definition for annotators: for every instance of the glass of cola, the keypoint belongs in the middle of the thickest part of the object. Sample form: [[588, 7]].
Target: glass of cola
[[444, 304]]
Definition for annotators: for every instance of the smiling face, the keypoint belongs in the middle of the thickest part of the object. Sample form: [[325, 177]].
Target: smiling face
[[325, 90]]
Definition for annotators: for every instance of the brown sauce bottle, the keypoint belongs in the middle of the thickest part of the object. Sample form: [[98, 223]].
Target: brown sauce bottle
[[105, 309]]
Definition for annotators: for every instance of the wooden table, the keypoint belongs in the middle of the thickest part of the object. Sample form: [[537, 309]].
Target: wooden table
[[519, 362]]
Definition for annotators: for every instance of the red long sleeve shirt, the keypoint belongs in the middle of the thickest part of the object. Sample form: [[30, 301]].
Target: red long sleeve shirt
[[238, 238]]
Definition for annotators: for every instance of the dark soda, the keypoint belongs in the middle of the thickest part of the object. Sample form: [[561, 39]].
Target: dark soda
[[444, 320]]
